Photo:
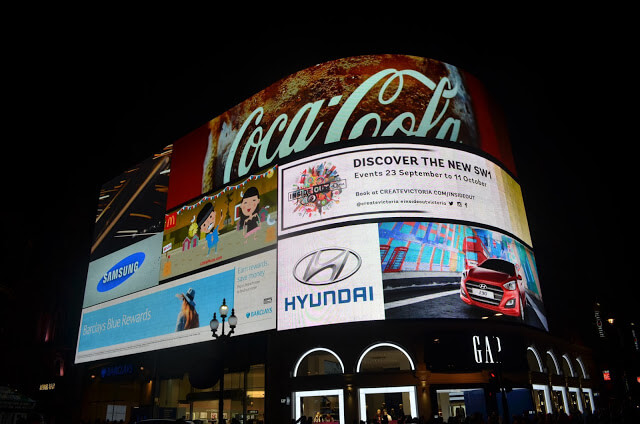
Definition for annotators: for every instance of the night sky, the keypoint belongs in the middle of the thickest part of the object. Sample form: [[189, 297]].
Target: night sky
[[84, 110]]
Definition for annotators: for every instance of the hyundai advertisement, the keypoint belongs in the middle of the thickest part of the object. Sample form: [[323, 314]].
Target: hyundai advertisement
[[367, 188]]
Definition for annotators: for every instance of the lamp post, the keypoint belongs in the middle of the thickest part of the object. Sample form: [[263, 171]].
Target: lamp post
[[214, 324]]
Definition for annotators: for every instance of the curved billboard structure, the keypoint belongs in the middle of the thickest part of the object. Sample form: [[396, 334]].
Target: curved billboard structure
[[366, 188]]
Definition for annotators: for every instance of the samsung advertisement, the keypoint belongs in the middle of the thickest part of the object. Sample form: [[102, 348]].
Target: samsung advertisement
[[388, 193]]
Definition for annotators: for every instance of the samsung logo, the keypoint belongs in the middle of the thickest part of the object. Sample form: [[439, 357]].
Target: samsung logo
[[327, 266], [120, 272]]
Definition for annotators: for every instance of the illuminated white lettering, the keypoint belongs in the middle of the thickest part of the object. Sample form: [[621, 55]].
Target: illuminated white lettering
[[257, 143]]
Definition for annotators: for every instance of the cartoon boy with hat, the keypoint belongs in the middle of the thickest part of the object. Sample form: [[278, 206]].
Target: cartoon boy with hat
[[206, 221]]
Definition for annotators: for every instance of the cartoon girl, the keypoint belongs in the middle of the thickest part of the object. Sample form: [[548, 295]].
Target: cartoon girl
[[207, 223], [249, 219]]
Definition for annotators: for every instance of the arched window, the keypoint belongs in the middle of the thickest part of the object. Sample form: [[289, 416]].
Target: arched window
[[533, 359], [567, 368], [583, 370], [552, 363], [318, 361], [384, 357]]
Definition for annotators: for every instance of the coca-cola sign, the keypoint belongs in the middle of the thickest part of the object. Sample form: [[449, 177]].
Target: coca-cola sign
[[330, 104]]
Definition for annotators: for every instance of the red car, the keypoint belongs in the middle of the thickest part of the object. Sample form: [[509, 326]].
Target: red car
[[496, 285]]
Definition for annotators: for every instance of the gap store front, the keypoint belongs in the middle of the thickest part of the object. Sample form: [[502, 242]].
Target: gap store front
[[362, 223], [411, 370]]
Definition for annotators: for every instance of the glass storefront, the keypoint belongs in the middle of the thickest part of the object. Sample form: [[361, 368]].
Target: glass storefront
[[322, 405], [392, 402], [559, 399], [541, 398], [461, 403], [575, 399]]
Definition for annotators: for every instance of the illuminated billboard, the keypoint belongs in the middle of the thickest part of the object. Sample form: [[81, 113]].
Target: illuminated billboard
[[399, 180], [179, 312], [367, 188], [332, 105], [230, 222], [128, 231]]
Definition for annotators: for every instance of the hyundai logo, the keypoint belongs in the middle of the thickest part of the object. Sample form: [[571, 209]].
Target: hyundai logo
[[483, 286], [327, 266]]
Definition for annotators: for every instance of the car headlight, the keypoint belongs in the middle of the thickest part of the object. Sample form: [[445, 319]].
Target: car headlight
[[511, 285]]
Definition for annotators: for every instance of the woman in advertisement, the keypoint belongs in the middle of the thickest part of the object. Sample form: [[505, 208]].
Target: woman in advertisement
[[187, 317]]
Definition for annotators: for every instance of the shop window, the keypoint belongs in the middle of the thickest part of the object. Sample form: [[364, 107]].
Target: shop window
[[396, 403], [322, 405], [533, 359], [116, 412], [318, 361], [559, 399], [384, 357], [588, 399], [461, 403], [575, 400], [542, 398], [583, 371]]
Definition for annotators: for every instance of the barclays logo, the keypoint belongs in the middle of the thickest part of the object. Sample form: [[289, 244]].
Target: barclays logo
[[120, 272], [327, 266], [259, 312]]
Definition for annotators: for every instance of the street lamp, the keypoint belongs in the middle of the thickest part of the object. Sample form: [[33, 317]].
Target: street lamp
[[214, 324]]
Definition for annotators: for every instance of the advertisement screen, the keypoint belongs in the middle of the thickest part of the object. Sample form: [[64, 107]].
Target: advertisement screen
[[329, 277], [395, 180], [443, 270], [331, 104], [417, 270], [234, 221], [179, 312], [367, 188], [128, 231]]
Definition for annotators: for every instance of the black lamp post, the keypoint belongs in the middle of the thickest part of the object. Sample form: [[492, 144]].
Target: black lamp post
[[214, 324]]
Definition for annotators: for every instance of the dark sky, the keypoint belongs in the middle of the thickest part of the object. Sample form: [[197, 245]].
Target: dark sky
[[86, 108]]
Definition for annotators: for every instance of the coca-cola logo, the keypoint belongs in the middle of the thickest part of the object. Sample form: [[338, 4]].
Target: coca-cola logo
[[259, 143]]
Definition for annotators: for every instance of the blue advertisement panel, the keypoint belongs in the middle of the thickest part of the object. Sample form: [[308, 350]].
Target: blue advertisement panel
[[149, 316], [178, 313]]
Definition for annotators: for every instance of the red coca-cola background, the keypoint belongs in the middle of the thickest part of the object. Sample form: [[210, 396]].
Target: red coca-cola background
[[201, 160]]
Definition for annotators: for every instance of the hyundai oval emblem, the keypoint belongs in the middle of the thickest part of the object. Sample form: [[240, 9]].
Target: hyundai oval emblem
[[327, 266], [120, 272]]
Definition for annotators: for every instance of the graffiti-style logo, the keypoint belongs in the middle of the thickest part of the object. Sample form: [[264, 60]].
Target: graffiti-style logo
[[120, 272], [317, 190], [327, 266]]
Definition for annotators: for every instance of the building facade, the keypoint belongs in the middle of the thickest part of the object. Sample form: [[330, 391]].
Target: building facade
[[362, 224]]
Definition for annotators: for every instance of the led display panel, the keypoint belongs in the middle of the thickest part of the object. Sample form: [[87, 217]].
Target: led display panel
[[329, 277], [178, 312], [233, 221], [366, 188], [128, 231], [394, 180], [334, 104], [452, 271]]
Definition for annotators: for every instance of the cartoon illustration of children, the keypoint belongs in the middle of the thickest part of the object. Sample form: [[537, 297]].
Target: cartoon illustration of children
[[207, 223], [249, 219]]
